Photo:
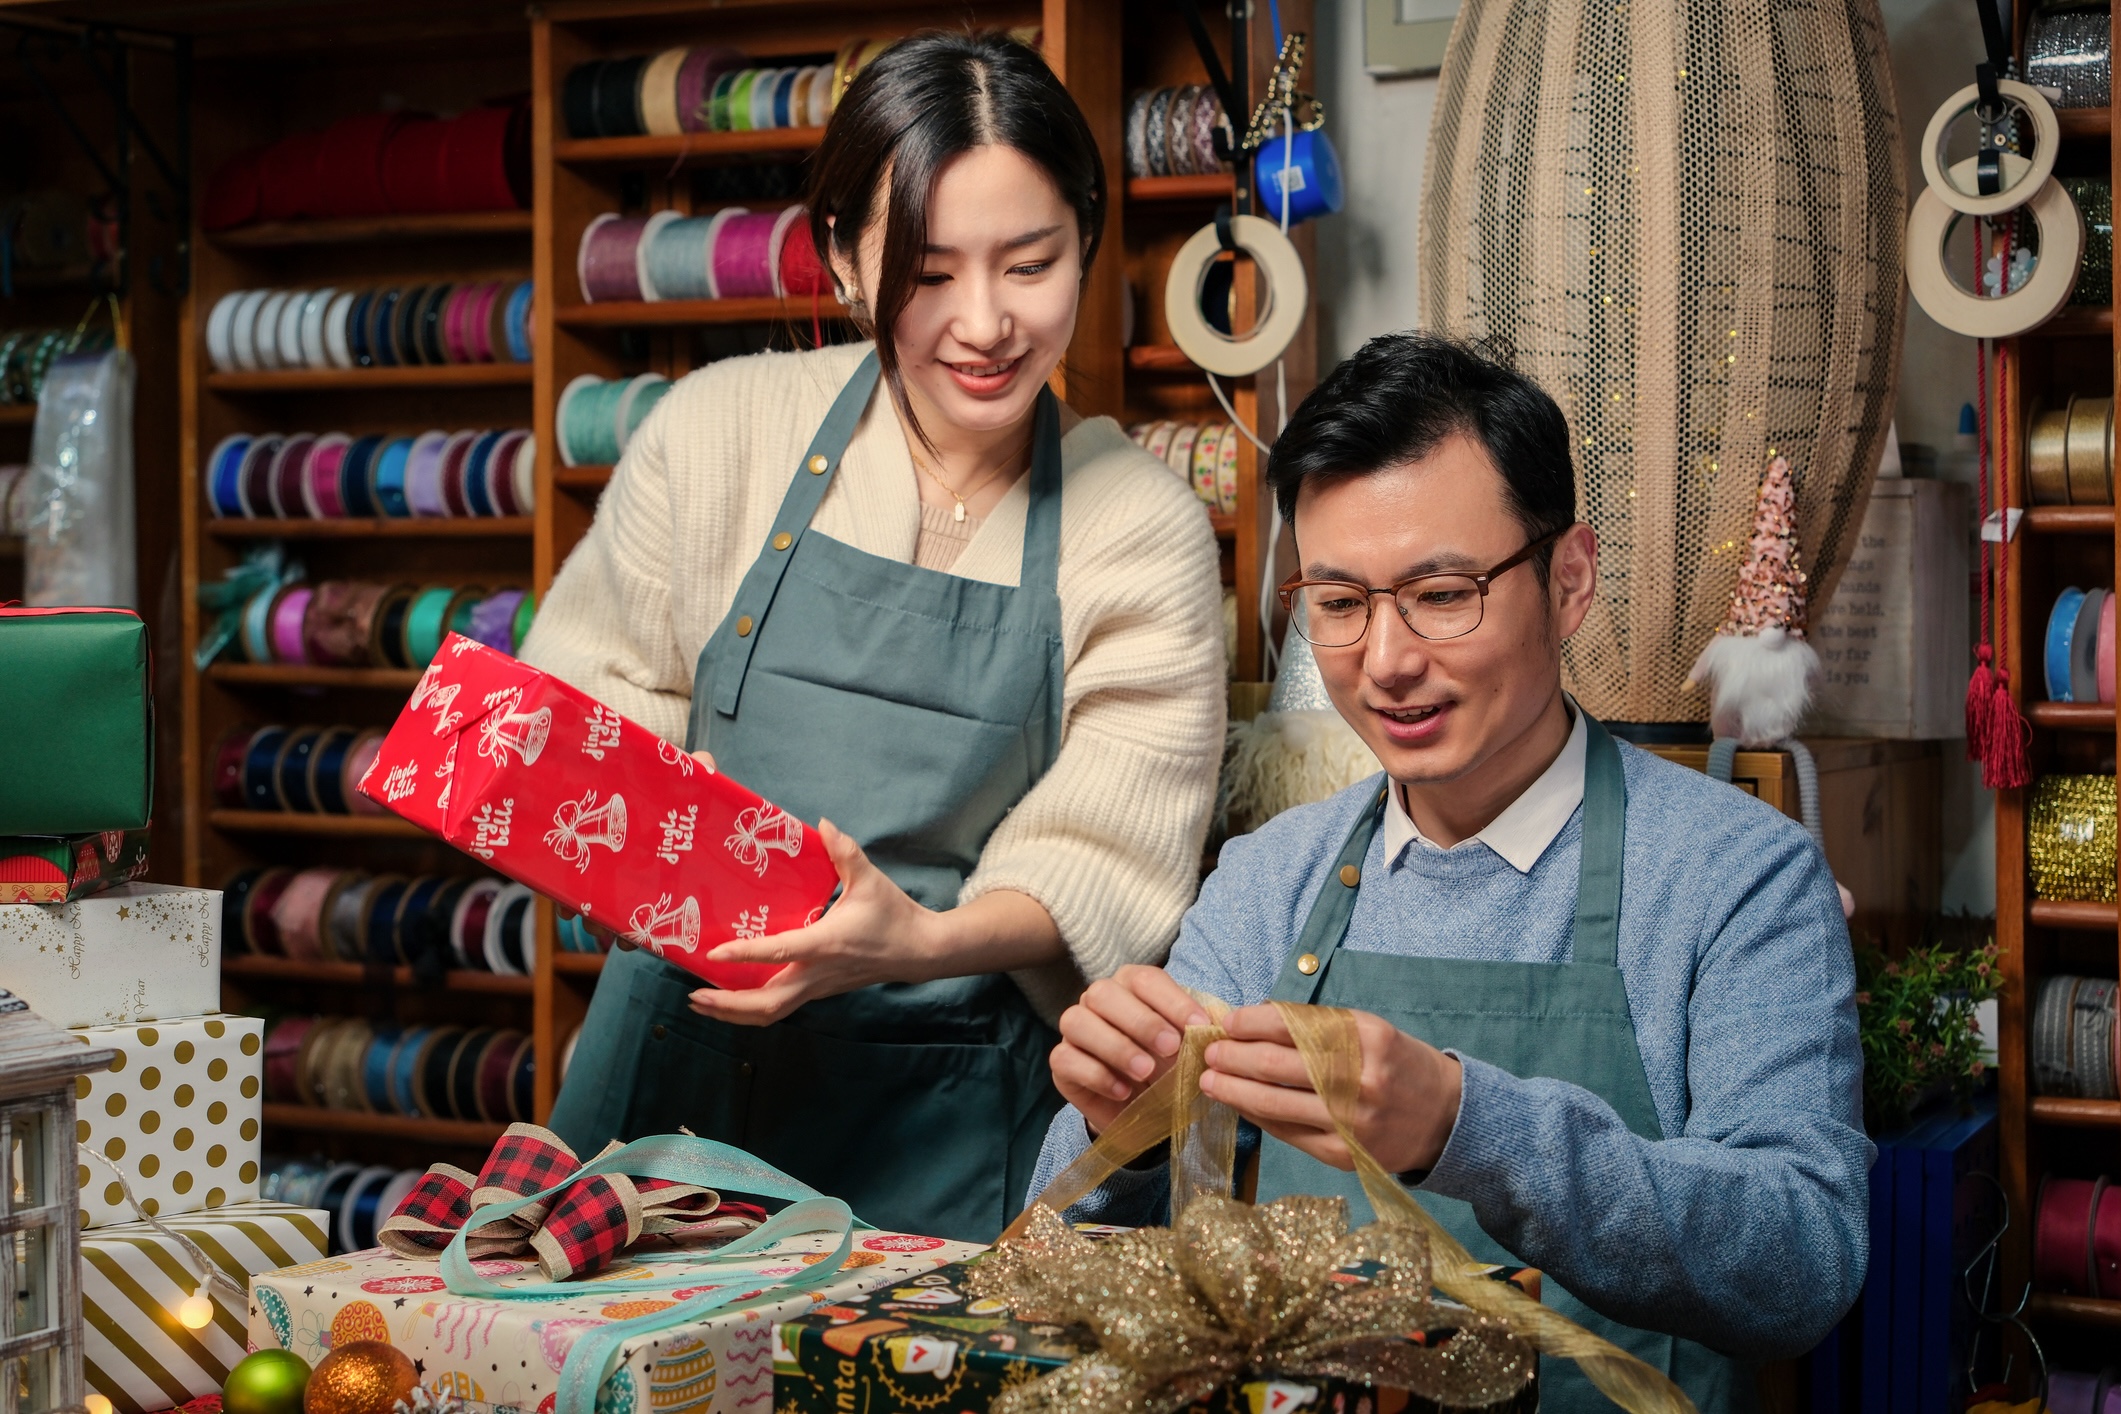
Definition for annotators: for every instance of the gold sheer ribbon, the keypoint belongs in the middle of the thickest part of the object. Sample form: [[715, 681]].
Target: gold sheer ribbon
[[1208, 1255]]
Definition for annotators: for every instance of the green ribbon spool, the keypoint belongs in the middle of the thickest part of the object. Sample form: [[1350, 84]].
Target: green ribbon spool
[[424, 623], [520, 629]]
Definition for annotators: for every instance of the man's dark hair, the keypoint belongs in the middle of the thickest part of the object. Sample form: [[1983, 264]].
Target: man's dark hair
[[1399, 395]]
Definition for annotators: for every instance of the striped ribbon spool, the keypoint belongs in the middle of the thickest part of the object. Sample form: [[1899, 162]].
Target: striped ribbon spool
[[675, 258], [2074, 1039], [607, 262]]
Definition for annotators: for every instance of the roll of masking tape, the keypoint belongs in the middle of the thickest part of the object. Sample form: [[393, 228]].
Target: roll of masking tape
[[1286, 295], [2023, 177], [1960, 310]]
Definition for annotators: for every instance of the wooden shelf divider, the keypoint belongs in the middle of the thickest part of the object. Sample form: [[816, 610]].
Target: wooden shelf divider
[[2069, 520], [1191, 191], [287, 822], [655, 314], [681, 148], [581, 964], [289, 971], [2077, 321], [380, 528], [2077, 1114], [324, 380], [17, 414], [361, 230], [2082, 124], [303, 675], [2079, 1310], [2087, 915], [317, 1120], [1159, 358], [2072, 716]]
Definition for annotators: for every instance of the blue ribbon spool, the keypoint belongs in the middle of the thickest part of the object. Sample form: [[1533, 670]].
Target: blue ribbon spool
[[291, 773], [389, 479], [2061, 626], [517, 323], [419, 898], [382, 327], [357, 330], [226, 479], [478, 487], [357, 489], [375, 1068], [384, 901], [327, 766], [357, 1217], [1313, 175], [404, 1063], [259, 761]]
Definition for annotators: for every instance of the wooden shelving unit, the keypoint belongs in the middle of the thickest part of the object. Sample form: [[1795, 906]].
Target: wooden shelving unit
[[438, 528], [353, 974], [360, 1124], [370, 380], [654, 314], [441, 226], [2055, 546]]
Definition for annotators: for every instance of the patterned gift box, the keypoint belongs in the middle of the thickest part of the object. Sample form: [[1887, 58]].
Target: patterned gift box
[[143, 952], [559, 792], [929, 1346], [507, 1355], [133, 1279], [59, 868], [179, 1113]]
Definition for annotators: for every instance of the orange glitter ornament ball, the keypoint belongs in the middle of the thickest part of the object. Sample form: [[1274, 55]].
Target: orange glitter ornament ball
[[364, 1377]]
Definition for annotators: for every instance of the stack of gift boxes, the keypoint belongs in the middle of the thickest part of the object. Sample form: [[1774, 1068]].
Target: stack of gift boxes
[[135, 969]]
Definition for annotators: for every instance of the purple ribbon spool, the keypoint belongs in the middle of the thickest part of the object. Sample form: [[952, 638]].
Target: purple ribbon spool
[[493, 620], [606, 259]]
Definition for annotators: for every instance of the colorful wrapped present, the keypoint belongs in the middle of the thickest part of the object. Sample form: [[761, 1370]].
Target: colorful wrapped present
[[501, 1354], [142, 952], [561, 793], [932, 1345], [78, 698], [61, 868], [179, 1113], [138, 1354]]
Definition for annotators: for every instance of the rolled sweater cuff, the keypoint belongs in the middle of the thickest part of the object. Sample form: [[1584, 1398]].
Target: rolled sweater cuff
[[1487, 1137]]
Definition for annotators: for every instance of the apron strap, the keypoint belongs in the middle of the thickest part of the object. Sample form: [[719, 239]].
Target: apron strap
[[754, 597], [1605, 814], [1041, 565], [1304, 971]]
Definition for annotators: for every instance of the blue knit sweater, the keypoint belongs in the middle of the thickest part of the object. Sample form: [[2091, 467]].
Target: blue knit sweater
[[1745, 1226]]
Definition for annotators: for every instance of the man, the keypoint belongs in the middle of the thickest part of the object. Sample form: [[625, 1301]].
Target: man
[[1607, 1005]]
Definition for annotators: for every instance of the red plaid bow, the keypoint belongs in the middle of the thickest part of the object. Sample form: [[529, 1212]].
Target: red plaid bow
[[578, 1232]]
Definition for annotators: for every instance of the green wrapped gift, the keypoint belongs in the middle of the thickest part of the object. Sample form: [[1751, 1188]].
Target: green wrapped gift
[[77, 703], [59, 869], [929, 1346]]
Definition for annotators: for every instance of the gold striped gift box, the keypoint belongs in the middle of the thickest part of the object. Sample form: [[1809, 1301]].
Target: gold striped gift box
[[133, 1279]]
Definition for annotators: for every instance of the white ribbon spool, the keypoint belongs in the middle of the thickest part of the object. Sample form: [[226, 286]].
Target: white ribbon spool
[[1282, 304], [1958, 188], [2032, 304]]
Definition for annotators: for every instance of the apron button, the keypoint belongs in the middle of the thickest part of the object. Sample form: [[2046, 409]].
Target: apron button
[[743, 626], [1307, 964], [1349, 874], [818, 464], [659, 1031], [783, 540]]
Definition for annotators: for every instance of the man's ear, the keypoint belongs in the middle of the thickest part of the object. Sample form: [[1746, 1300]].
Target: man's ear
[[1572, 577]]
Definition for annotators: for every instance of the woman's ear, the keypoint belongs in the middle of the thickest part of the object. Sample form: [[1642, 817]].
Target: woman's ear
[[844, 273]]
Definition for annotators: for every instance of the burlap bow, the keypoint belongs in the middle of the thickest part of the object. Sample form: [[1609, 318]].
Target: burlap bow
[[577, 1234], [1228, 1291]]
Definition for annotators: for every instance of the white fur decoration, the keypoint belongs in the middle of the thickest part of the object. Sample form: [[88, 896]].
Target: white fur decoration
[[1761, 684], [1283, 759]]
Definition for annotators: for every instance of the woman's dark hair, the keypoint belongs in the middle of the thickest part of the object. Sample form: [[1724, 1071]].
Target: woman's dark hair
[[1399, 395], [910, 110]]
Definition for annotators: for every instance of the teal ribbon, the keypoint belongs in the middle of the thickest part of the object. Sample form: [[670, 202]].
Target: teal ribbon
[[681, 1158], [264, 569]]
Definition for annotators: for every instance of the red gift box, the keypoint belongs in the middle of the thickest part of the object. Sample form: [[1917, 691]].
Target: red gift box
[[557, 791]]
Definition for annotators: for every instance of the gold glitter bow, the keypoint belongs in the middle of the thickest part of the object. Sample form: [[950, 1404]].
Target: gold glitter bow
[[1229, 1289]]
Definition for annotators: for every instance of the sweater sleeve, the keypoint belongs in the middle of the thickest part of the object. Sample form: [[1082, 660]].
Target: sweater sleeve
[[1746, 1231], [1109, 840], [605, 625]]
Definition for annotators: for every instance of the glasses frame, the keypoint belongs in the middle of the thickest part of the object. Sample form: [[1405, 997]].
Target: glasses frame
[[1289, 586]]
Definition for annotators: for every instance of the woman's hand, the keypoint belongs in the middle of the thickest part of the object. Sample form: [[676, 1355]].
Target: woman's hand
[[1119, 1039]]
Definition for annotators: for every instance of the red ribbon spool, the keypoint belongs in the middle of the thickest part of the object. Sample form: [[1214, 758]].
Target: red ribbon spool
[[801, 274], [233, 194], [287, 178], [475, 161], [2077, 1237], [350, 165], [413, 178], [282, 1043]]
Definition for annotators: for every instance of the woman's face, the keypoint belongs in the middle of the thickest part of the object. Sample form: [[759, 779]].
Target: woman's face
[[998, 291]]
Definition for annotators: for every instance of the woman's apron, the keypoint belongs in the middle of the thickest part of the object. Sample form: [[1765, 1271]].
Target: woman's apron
[[1563, 1021], [913, 709]]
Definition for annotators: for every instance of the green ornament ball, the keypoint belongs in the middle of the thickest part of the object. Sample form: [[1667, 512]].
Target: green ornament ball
[[266, 1382]]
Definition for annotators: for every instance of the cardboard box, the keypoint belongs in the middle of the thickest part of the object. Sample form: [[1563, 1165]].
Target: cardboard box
[[507, 1355], [142, 952], [559, 792], [179, 1112], [133, 1279]]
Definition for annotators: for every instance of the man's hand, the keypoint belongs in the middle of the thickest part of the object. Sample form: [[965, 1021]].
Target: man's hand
[[1119, 1038], [1404, 1108]]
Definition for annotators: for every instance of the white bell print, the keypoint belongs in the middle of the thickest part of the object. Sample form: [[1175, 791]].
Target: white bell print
[[761, 828], [578, 824], [524, 733], [429, 682], [674, 756], [662, 925]]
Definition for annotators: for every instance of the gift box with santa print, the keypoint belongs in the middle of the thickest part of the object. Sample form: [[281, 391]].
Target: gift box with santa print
[[559, 792]]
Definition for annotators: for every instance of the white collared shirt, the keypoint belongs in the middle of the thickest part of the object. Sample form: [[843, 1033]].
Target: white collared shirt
[[1522, 832]]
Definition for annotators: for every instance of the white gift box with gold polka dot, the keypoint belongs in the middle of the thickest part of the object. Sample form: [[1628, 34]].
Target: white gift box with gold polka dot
[[142, 952], [137, 1353], [179, 1113]]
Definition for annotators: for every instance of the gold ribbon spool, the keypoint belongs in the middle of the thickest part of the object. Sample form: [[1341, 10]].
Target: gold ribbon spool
[[2090, 451], [2047, 456], [2069, 837]]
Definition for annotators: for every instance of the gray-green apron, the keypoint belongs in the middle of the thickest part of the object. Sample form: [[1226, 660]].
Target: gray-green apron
[[914, 709], [1563, 1021]]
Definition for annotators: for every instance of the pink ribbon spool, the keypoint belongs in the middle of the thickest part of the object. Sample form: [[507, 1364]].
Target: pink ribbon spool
[[2106, 679], [456, 346], [298, 913], [695, 81], [606, 261], [289, 482], [478, 320], [455, 453], [321, 486], [359, 757], [743, 255], [287, 616]]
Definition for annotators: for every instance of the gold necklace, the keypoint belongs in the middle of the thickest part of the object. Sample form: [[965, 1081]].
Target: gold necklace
[[932, 474]]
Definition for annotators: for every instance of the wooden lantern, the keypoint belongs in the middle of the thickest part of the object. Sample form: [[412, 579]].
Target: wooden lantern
[[40, 1210]]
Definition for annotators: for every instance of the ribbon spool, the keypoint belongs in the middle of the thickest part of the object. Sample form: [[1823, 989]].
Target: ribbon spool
[[2045, 291], [744, 253], [2082, 1392], [607, 262], [2023, 178], [1210, 466], [674, 257], [1282, 304], [2077, 1237], [2069, 49], [2074, 1039], [299, 913], [2061, 628], [223, 476], [2070, 837], [291, 771]]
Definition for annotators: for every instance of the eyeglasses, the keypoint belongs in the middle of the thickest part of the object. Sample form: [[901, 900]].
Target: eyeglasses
[[1335, 613]]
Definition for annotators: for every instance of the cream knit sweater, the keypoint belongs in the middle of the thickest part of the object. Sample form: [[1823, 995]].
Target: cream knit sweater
[[1109, 841]]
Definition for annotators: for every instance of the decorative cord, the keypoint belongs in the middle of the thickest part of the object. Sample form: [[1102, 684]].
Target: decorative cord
[[212, 1278]]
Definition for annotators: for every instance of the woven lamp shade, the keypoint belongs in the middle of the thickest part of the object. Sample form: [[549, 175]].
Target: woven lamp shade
[[1686, 218]]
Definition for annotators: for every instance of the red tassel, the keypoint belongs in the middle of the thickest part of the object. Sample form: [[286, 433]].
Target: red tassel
[[1980, 711], [2004, 766]]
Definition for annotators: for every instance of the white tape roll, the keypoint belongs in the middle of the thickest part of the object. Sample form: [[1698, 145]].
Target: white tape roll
[[2032, 304], [220, 325], [2022, 176], [243, 328], [1287, 293]]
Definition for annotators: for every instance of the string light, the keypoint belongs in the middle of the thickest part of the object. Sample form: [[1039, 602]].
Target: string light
[[197, 1312], [97, 1404]]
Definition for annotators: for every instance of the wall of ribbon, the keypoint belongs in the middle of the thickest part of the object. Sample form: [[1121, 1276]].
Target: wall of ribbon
[[430, 1072], [597, 417], [392, 326], [733, 254], [1203, 454], [429, 922], [357, 1197], [344, 623], [1171, 132], [336, 475]]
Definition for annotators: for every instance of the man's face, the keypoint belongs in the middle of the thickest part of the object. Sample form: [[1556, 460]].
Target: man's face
[[1435, 710]]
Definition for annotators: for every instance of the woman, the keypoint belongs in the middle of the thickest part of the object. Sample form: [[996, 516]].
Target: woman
[[978, 635]]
